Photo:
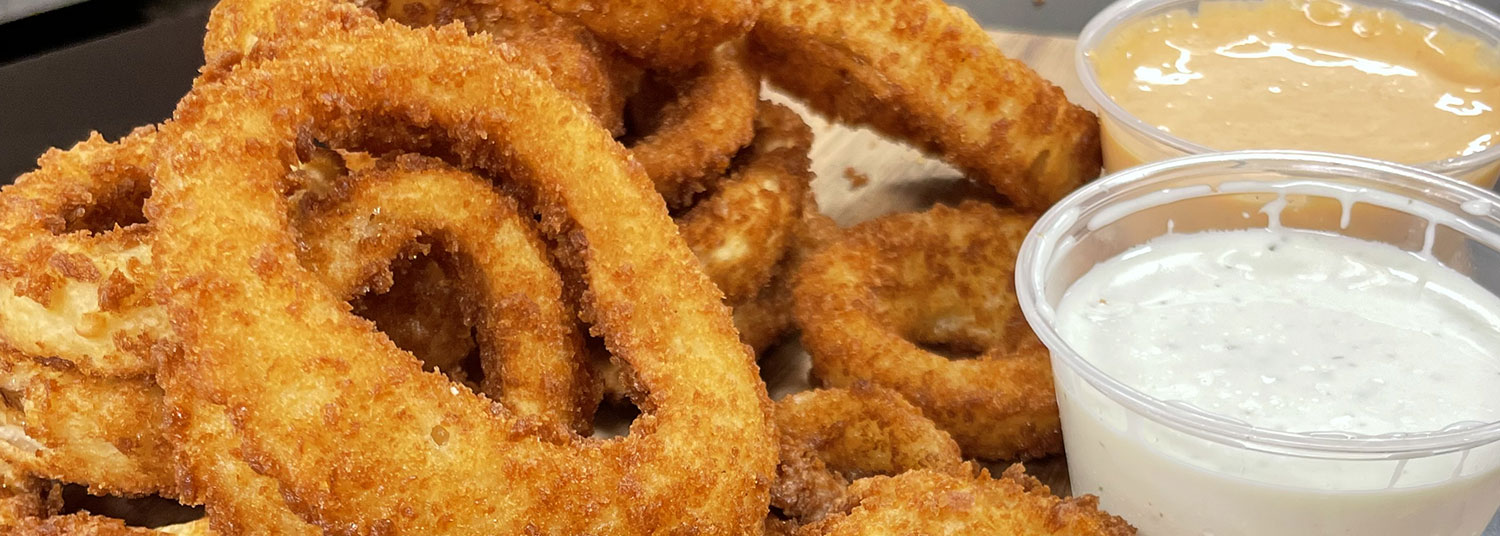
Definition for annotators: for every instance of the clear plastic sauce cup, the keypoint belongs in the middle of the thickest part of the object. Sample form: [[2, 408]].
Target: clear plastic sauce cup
[[1173, 469], [1129, 141]]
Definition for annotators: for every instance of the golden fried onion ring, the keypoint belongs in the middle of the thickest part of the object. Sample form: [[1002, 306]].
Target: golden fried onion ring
[[530, 347], [105, 431], [743, 228], [663, 34], [70, 281], [708, 115], [944, 278], [931, 502], [355, 433], [832, 437], [924, 72]]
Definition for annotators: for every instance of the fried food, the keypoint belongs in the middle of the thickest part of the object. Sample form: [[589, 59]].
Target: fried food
[[568, 54], [767, 318], [742, 231], [337, 415], [100, 432], [349, 239], [663, 34], [832, 437], [212, 467], [871, 300], [69, 275], [358, 283], [743, 234], [84, 524], [935, 503], [192, 528], [80, 524], [556, 47], [687, 126], [423, 313], [924, 72], [23, 496], [529, 343]]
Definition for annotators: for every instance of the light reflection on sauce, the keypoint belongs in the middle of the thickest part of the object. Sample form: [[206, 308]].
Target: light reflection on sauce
[[1306, 74]]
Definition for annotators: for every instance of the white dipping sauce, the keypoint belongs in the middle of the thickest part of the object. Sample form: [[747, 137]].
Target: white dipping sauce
[[1291, 331]]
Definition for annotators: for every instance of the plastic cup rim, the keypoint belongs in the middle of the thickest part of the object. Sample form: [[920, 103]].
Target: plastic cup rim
[[1031, 274], [1124, 11]]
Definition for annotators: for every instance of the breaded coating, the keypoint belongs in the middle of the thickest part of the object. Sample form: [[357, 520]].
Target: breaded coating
[[72, 281], [568, 54], [100, 432], [359, 438], [891, 299], [925, 72], [687, 126], [80, 524], [23, 496], [831, 437], [767, 318], [742, 230], [933, 503], [663, 34], [529, 342]]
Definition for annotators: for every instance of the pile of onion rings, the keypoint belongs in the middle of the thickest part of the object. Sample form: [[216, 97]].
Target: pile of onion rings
[[363, 280], [871, 300]]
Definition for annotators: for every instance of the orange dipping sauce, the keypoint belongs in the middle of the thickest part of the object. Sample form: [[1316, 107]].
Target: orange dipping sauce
[[1319, 75]]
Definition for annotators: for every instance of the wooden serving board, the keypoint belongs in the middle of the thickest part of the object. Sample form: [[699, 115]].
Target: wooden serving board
[[902, 179]]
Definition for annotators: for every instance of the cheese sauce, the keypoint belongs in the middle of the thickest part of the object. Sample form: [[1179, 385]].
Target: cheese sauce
[[1306, 74]]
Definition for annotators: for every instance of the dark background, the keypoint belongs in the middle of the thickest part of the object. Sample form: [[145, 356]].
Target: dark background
[[110, 65]]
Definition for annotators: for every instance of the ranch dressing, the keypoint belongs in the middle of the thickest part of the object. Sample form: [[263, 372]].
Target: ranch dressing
[[1292, 331]]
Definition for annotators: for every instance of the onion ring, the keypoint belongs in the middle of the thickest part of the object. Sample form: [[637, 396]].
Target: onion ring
[[741, 231], [688, 126], [574, 59], [941, 277], [767, 318], [23, 496], [101, 432], [558, 48], [701, 458], [528, 338], [118, 448], [924, 72], [663, 34], [832, 437], [420, 310], [68, 282], [930, 502]]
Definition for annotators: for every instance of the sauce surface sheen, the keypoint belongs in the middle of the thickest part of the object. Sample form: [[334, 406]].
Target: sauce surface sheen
[[1306, 74], [1293, 331]]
